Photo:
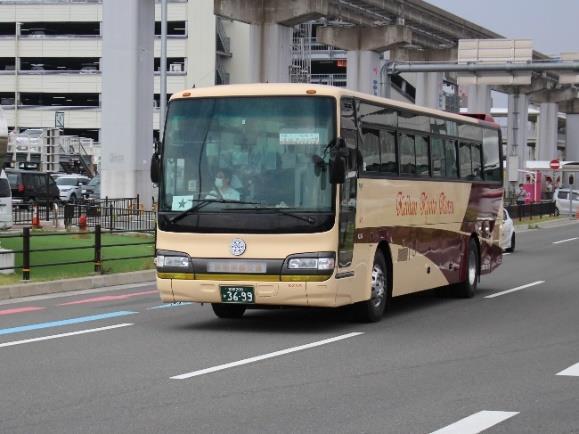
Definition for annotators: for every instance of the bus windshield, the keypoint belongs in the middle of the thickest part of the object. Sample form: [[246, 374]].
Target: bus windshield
[[247, 153]]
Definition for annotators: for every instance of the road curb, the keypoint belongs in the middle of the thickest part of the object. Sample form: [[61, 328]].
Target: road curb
[[57, 286]]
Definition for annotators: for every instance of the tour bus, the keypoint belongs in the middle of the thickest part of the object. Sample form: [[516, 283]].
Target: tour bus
[[306, 195]]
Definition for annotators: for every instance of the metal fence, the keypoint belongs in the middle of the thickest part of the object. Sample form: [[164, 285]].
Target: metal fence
[[23, 256], [123, 214], [531, 210]]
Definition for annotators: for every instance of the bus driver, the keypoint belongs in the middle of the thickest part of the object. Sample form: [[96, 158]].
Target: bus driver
[[223, 189]]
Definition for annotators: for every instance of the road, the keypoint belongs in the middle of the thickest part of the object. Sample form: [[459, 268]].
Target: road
[[115, 361]]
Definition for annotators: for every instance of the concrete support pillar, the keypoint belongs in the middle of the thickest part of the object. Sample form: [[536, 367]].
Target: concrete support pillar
[[479, 98], [127, 98], [572, 147], [547, 131], [517, 136], [428, 89], [270, 56], [363, 73]]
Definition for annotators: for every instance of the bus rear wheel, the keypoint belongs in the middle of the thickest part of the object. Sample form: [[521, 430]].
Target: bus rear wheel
[[228, 311], [467, 288], [373, 309]]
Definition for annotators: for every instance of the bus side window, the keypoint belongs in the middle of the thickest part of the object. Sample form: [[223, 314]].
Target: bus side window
[[388, 155], [437, 153], [475, 153], [465, 161], [407, 154], [422, 158], [370, 150], [451, 170]]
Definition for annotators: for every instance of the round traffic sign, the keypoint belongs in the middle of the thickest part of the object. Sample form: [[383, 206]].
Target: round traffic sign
[[554, 164]]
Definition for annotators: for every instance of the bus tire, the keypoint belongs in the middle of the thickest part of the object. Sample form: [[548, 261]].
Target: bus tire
[[467, 288], [373, 309], [228, 311]]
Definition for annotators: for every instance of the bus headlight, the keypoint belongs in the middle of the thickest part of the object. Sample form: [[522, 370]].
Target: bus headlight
[[166, 260], [320, 261]]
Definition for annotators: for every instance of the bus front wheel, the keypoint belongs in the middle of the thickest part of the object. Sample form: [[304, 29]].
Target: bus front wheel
[[373, 309], [467, 288], [228, 310]]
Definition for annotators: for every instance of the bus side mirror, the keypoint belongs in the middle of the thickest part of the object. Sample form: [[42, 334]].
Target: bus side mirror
[[155, 168], [338, 162]]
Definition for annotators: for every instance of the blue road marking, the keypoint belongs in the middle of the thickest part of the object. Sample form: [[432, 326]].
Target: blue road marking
[[164, 306], [64, 322]]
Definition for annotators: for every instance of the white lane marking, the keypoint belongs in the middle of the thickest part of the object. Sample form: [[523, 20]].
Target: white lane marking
[[63, 335], [477, 422], [264, 356], [565, 241], [518, 288], [572, 371]]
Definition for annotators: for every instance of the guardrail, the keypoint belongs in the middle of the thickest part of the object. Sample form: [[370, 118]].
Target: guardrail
[[23, 256], [530, 210], [111, 214]]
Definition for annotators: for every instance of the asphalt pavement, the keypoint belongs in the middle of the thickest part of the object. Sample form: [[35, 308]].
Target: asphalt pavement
[[116, 360]]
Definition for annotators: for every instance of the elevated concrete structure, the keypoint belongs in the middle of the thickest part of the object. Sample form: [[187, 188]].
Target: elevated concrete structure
[[127, 142]]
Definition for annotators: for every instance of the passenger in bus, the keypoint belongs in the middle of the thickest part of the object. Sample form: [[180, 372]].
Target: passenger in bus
[[223, 189]]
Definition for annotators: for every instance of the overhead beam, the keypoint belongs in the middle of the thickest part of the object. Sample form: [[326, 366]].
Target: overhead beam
[[396, 68], [360, 38]]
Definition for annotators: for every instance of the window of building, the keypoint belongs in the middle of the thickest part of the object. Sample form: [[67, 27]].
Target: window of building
[[174, 28], [84, 65], [56, 29]]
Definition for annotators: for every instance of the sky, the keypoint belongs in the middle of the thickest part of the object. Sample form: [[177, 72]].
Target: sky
[[553, 25]]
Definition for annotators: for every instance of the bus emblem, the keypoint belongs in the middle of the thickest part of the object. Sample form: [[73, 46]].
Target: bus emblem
[[237, 247]]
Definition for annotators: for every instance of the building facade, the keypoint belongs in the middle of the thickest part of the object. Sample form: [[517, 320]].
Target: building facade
[[51, 50]]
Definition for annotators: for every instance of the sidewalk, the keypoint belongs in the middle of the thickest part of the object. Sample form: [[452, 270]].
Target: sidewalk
[[56, 286], [538, 224]]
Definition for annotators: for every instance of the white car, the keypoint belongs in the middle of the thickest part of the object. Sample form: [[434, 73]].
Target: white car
[[70, 187], [508, 237], [563, 202], [5, 202]]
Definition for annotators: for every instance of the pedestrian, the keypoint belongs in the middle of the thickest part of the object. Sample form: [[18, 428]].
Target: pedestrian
[[521, 195], [548, 188]]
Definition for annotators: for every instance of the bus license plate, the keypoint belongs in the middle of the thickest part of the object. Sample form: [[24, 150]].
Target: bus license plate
[[237, 294]]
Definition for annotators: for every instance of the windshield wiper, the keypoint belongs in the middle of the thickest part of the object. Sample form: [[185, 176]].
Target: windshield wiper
[[307, 219], [203, 203]]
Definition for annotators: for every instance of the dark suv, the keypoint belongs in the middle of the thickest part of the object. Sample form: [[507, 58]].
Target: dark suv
[[31, 186]]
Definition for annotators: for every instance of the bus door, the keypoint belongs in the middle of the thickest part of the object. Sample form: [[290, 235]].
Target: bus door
[[348, 190]]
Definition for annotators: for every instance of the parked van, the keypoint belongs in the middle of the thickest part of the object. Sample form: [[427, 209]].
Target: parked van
[[5, 202], [31, 186], [563, 201]]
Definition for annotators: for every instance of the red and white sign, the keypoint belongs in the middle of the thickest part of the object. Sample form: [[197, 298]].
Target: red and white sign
[[555, 164]]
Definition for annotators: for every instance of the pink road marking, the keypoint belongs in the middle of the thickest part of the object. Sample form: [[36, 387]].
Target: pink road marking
[[109, 298], [20, 310]]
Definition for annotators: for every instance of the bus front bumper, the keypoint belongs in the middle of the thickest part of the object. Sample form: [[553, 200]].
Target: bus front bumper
[[291, 293]]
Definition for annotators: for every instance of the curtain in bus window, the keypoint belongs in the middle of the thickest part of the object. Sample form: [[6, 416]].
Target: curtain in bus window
[[388, 152], [370, 150], [437, 152], [475, 153], [465, 161], [451, 170], [422, 162], [407, 155], [491, 155]]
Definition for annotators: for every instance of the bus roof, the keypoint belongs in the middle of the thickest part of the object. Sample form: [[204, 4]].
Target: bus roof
[[263, 89]]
